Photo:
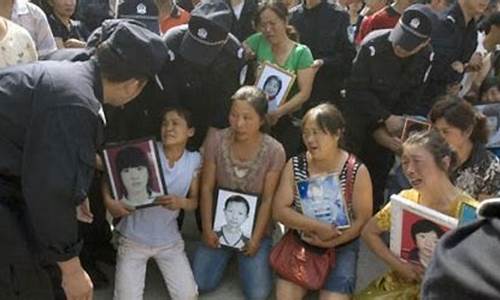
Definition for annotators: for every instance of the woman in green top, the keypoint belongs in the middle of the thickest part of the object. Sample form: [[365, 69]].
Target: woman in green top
[[274, 43]]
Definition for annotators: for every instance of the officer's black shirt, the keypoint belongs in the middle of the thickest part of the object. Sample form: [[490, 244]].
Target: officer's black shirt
[[452, 40], [243, 27], [204, 90], [382, 84], [323, 29], [51, 128]]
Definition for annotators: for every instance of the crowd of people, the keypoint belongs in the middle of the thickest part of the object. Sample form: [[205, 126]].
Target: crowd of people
[[77, 76]]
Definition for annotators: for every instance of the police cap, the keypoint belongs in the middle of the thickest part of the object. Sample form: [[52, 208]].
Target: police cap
[[208, 31], [134, 48], [413, 29]]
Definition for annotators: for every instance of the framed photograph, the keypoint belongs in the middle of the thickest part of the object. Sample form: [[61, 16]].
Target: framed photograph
[[322, 198], [234, 217], [416, 229], [276, 84], [413, 125], [492, 113], [466, 213], [134, 172]]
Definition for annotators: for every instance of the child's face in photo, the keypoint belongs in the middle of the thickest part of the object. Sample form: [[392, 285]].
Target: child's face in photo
[[272, 88], [135, 179], [175, 130], [426, 242], [236, 214]]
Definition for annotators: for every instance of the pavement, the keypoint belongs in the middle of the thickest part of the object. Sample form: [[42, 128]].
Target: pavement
[[369, 267]]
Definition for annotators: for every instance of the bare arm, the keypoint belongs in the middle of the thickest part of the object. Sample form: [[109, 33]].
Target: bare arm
[[284, 213], [206, 202], [305, 78], [189, 203], [362, 203], [371, 235], [264, 213]]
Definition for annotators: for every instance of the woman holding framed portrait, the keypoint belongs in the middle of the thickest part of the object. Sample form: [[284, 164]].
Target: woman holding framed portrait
[[427, 161], [275, 44], [245, 159], [322, 130]]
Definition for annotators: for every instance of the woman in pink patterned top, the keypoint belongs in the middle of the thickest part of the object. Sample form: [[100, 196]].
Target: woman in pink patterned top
[[244, 158]]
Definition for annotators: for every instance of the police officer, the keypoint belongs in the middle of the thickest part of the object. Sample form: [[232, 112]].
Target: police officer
[[323, 28], [208, 66], [454, 40], [51, 123], [387, 78]]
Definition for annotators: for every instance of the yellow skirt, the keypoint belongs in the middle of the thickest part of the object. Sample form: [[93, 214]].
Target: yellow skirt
[[389, 287]]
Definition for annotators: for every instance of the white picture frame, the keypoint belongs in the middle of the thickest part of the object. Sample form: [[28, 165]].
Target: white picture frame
[[276, 83], [408, 216], [412, 125], [131, 167], [322, 198], [234, 217]]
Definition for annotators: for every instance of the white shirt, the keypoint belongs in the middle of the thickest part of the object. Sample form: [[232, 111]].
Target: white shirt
[[16, 47], [33, 19]]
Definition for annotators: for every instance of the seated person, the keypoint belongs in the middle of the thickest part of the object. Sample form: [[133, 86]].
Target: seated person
[[68, 33], [152, 232], [427, 161], [16, 44]]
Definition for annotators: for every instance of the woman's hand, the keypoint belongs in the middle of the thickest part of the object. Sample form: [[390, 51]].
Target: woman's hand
[[171, 202], [249, 54], [383, 138], [410, 272], [210, 239], [251, 247], [316, 241], [118, 209], [325, 231], [272, 118], [74, 43]]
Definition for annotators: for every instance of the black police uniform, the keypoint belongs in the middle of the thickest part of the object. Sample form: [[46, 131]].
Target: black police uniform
[[243, 26], [452, 40], [381, 84], [323, 29], [205, 90], [52, 125], [93, 12]]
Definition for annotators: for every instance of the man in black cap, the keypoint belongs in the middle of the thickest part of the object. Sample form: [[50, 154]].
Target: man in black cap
[[465, 264], [52, 126], [208, 67], [386, 80]]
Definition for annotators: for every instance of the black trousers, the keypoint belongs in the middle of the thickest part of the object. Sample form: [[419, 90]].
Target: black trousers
[[21, 275]]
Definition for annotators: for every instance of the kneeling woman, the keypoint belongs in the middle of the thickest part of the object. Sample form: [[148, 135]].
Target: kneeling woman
[[244, 158], [322, 129], [427, 161]]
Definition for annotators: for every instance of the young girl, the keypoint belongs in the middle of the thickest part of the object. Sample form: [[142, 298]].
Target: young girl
[[153, 232]]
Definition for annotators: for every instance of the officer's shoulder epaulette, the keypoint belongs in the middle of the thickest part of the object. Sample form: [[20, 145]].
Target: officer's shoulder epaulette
[[173, 37], [297, 9], [234, 48]]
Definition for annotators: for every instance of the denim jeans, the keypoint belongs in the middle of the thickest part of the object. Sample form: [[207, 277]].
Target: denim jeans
[[255, 273]]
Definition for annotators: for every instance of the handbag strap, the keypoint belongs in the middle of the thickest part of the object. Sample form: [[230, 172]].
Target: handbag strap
[[349, 183]]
